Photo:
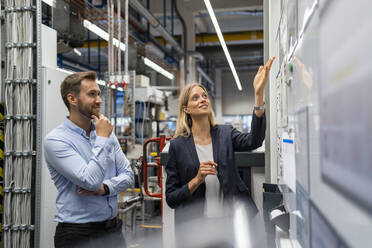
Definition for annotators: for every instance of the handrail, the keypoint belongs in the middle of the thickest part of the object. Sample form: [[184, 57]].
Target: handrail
[[161, 141]]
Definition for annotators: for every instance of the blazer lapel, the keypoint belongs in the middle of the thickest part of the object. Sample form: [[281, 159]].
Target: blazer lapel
[[190, 145], [215, 143]]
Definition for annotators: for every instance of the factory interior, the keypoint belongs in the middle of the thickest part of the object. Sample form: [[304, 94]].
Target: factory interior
[[305, 182]]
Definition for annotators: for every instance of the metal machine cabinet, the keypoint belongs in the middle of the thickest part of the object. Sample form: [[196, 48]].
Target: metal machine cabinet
[[54, 113]]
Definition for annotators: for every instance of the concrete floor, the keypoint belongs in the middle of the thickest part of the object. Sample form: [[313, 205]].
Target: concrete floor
[[147, 237]]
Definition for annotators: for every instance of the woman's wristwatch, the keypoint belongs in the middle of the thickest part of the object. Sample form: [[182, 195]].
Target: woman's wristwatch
[[262, 107]]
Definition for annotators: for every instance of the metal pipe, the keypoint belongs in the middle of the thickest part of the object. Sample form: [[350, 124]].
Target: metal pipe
[[109, 32], [185, 59], [62, 60], [88, 47], [126, 36], [165, 13], [107, 89], [116, 59], [119, 34], [144, 164], [111, 92], [133, 200], [123, 211], [164, 49], [112, 34], [39, 128], [132, 82], [99, 55], [148, 23], [115, 93], [204, 75], [155, 24], [172, 17]]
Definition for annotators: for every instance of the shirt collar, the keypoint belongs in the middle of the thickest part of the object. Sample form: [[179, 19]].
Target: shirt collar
[[68, 123]]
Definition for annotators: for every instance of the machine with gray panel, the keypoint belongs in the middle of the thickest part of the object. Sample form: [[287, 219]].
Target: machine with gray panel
[[54, 113]]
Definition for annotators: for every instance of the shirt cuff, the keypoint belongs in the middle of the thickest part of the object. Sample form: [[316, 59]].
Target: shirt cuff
[[105, 142], [185, 191], [100, 141]]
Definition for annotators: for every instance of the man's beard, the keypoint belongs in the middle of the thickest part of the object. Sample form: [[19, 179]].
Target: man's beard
[[86, 110]]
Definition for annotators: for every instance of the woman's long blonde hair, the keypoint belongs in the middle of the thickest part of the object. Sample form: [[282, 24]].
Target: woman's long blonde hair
[[184, 121]]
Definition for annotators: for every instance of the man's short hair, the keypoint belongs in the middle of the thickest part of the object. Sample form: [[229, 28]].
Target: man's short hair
[[71, 84]]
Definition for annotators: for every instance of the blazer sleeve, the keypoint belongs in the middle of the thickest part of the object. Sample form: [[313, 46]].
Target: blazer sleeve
[[253, 140], [175, 192]]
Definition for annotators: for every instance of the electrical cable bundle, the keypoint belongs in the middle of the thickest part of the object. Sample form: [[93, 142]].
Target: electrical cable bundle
[[19, 125]]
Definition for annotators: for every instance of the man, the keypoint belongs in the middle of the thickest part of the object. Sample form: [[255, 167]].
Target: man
[[88, 168]]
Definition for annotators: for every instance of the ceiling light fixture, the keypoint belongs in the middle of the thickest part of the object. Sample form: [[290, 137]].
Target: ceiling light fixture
[[157, 68], [223, 44], [51, 3], [77, 51], [65, 71], [103, 34]]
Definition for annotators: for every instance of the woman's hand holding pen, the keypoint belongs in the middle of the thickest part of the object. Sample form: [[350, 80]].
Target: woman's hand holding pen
[[205, 169]]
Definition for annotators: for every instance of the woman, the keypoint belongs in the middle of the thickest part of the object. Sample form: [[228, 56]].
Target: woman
[[201, 170]]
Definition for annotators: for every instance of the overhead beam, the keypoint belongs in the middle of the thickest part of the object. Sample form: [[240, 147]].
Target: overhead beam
[[203, 38], [217, 5], [241, 36], [229, 37]]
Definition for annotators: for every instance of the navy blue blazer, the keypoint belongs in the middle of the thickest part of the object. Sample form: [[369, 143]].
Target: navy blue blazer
[[183, 163]]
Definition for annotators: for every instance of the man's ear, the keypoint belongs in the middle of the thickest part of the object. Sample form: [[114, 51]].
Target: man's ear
[[72, 99]]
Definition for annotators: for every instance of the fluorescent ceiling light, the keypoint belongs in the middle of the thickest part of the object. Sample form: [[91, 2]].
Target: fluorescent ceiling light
[[101, 82], [51, 3], [103, 34], [65, 71], [222, 41], [159, 69], [77, 51]]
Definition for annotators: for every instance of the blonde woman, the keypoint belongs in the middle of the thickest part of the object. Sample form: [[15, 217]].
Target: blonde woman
[[201, 169]]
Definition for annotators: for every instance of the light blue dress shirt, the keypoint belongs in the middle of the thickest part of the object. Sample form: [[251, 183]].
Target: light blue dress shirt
[[76, 160]]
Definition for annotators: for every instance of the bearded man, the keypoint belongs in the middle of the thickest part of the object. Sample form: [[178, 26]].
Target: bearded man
[[88, 168]]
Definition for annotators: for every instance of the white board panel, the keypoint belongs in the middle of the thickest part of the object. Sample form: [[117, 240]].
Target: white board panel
[[346, 119], [327, 107]]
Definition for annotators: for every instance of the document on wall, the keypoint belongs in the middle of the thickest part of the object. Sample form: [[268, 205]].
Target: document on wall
[[288, 160]]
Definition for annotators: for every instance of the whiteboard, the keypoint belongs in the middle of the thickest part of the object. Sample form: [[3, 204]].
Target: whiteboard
[[346, 117], [327, 106]]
